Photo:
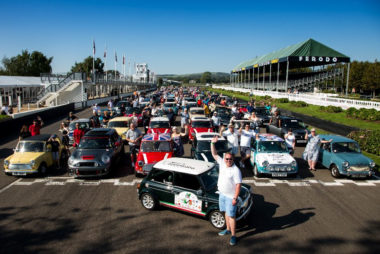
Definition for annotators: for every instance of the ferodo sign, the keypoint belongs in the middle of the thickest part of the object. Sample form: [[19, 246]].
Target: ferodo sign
[[325, 59]]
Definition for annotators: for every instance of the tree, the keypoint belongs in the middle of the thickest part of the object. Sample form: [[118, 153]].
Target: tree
[[206, 77], [371, 78], [86, 66], [159, 81], [26, 64]]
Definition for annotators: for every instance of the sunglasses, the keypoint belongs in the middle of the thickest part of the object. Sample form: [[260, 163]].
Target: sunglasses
[[229, 159]]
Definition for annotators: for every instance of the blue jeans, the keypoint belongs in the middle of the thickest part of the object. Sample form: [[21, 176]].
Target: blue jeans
[[225, 205]]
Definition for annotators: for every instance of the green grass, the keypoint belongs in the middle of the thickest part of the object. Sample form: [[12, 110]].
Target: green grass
[[375, 158], [4, 117], [313, 110]]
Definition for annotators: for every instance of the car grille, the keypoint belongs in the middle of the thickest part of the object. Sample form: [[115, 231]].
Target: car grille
[[277, 168], [86, 164], [20, 166], [358, 168], [147, 167], [87, 172]]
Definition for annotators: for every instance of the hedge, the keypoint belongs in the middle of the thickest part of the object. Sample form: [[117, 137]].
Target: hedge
[[299, 104], [368, 140], [363, 114], [330, 109], [4, 117]]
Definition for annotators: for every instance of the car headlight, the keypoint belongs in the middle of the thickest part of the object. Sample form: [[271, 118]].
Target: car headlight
[[345, 164], [105, 159], [32, 163], [140, 163], [289, 168], [6, 163], [294, 163], [265, 164], [271, 168], [70, 161], [372, 164]]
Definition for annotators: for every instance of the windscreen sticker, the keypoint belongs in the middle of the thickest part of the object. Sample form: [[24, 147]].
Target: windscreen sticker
[[188, 200]]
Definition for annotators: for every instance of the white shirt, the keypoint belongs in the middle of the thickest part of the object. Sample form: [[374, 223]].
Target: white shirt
[[135, 103], [228, 178], [135, 120], [216, 120], [246, 136], [232, 138], [290, 140]]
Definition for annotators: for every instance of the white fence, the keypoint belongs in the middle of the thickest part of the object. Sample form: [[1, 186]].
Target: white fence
[[310, 98]]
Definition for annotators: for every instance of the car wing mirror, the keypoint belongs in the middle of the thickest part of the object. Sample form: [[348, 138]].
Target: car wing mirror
[[199, 192]]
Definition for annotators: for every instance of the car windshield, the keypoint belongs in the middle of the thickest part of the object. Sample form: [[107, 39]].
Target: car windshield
[[238, 125], [27, 146], [170, 100], [204, 145], [131, 110], [94, 143], [201, 124], [224, 111], [189, 99], [210, 178], [159, 124], [197, 112], [155, 146], [169, 105], [345, 147], [272, 147], [294, 124], [126, 103], [118, 124], [82, 125]]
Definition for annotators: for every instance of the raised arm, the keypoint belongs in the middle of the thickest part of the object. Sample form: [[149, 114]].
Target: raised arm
[[213, 149]]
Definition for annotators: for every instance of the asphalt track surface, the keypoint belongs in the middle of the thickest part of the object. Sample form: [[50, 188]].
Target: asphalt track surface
[[313, 213]]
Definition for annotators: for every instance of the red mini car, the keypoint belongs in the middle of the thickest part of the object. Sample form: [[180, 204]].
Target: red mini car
[[159, 125], [199, 124], [129, 112], [154, 148]]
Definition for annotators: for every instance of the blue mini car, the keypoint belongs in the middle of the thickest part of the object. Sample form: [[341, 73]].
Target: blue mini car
[[343, 157]]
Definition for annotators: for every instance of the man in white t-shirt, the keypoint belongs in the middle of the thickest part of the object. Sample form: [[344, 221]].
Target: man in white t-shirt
[[232, 137], [246, 136], [229, 184]]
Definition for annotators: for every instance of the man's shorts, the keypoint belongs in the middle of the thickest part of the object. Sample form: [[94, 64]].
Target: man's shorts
[[234, 150], [225, 205], [245, 150], [133, 149]]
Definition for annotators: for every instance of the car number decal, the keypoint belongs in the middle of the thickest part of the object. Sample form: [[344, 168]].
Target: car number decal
[[188, 200]]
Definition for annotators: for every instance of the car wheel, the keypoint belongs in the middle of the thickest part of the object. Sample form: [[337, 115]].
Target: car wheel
[[217, 219], [42, 169], [148, 201], [256, 171], [335, 171]]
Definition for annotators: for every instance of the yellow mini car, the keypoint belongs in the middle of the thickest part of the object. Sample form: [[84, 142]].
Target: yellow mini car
[[32, 156], [120, 124]]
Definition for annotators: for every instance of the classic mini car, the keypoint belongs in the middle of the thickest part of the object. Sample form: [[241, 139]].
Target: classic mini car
[[129, 112], [343, 158], [170, 105], [190, 186], [159, 125], [263, 114], [196, 111], [200, 149], [270, 156], [32, 156], [153, 148], [199, 124], [118, 105], [120, 124], [189, 102], [84, 124], [97, 151], [224, 113], [298, 128]]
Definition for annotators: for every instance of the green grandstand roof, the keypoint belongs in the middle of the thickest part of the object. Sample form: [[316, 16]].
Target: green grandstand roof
[[309, 47]]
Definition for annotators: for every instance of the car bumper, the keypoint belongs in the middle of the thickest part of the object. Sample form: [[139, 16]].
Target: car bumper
[[20, 172], [89, 171], [359, 174], [277, 173]]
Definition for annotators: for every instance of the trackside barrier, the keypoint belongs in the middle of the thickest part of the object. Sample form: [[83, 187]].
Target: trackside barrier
[[312, 98]]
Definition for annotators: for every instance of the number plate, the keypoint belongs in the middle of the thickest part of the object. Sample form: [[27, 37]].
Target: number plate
[[280, 174], [359, 176], [301, 141], [19, 173]]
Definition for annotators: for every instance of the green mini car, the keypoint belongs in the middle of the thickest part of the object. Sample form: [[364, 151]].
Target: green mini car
[[190, 186], [343, 158]]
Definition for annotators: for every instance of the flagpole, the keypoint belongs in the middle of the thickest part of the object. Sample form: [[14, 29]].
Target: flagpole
[[124, 66], [129, 67], [115, 63], [105, 60], [93, 59]]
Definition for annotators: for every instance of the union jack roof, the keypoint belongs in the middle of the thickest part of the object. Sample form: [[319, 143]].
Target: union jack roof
[[269, 137], [157, 137]]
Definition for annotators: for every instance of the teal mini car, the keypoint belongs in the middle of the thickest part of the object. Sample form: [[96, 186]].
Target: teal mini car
[[343, 158], [270, 156]]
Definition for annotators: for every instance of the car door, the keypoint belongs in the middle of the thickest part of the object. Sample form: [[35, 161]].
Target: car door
[[188, 193], [161, 184], [325, 154]]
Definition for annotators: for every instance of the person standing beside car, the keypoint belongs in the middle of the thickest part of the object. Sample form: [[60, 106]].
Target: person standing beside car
[[133, 136], [53, 142], [275, 120], [229, 184], [290, 141], [312, 148], [24, 132], [77, 135], [246, 136], [232, 137]]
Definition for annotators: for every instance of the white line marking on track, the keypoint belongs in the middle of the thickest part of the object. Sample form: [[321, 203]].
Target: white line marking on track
[[55, 183], [128, 183], [331, 183], [9, 185], [264, 184], [364, 184], [313, 181], [344, 181], [24, 183], [59, 177], [299, 184]]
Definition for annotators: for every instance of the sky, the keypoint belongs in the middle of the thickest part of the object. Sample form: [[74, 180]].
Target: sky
[[179, 37]]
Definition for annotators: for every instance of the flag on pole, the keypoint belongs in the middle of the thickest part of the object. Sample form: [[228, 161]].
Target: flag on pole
[[115, 57], [123, 59], [105, 53], [93, 47]]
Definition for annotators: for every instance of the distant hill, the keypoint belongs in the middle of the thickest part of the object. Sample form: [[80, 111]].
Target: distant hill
[[217, 77]]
